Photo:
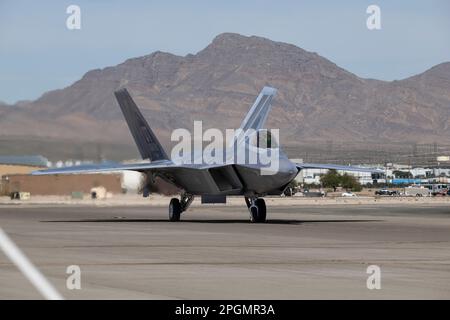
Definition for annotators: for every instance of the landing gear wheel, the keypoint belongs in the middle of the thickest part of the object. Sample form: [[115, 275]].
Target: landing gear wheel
[[174, 210], [258, 211], [253, 213], [261, 204]]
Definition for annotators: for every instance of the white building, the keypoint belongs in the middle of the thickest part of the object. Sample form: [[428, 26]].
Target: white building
[[312, 176]]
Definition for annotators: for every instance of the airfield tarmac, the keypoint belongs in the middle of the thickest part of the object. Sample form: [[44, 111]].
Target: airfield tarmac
[[307, 252]]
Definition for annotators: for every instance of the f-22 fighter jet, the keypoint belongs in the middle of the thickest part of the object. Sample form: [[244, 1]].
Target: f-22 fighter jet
[[212, 181]]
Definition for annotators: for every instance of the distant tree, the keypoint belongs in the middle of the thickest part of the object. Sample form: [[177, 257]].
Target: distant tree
[[349, 182], [331, 179]]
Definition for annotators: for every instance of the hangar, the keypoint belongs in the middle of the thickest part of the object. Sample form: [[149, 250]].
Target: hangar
[[15, 177]]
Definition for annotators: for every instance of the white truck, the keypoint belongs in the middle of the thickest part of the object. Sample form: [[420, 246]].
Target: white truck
[[417, 191]]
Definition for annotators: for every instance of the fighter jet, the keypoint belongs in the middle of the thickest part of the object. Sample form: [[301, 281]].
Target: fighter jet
[[236, 175]]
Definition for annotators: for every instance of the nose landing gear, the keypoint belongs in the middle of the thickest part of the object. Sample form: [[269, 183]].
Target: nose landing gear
[[257, 209]]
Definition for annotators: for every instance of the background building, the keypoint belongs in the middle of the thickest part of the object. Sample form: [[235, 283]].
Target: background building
[[60, 184], [15, 177], [21, 164]]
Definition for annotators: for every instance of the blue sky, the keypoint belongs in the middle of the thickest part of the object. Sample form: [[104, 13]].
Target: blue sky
[[38, 53]]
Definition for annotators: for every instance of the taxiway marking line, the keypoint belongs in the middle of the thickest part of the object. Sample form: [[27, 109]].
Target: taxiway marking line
[[27, 268]]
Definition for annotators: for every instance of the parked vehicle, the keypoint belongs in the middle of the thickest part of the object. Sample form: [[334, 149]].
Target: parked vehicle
[[417, 191], [313, 194], [386, 192], [20, 195], [437, 189], [348, 194], [289, 192]]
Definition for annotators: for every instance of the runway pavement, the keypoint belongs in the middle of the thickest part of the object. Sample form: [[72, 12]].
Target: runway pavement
[[215, 253]]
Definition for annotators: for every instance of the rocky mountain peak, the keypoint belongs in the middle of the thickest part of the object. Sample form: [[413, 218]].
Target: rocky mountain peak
[[316, 100]]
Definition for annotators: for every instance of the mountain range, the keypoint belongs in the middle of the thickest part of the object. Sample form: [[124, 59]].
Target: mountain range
[[317, 101]]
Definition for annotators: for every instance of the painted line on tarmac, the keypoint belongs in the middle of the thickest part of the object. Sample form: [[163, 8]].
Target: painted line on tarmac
[[27, 268]]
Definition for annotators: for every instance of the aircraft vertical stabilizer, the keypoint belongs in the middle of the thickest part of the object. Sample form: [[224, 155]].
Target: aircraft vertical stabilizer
[[145, 139], [256, 117]]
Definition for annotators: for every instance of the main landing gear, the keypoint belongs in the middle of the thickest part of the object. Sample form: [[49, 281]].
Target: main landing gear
[[176, 207], [257, 209]]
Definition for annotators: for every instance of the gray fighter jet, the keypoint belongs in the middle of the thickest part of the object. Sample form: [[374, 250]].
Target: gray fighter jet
[[213, 181]]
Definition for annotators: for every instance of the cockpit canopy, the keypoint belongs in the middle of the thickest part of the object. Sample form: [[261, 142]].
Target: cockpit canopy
[[263, 139]]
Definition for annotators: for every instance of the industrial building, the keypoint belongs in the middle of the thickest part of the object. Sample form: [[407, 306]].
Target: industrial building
[[60, 184], [21, 164], [312, 176], [15, 178], [393, 174]]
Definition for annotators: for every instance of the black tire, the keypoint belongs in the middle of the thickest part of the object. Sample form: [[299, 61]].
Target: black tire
[[253, 213], [174, 210], [258, 211], [262, 210]]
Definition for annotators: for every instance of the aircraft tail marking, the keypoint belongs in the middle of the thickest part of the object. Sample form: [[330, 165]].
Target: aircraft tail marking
[[145, 139]]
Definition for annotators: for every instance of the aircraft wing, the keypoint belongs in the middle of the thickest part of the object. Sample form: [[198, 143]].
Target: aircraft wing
[[195, 178], [164, 165], [337, 167], [105, 167]]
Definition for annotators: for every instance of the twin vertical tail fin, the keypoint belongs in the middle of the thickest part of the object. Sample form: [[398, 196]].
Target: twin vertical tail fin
[[257, 115], [148, 144], [146, 141]]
